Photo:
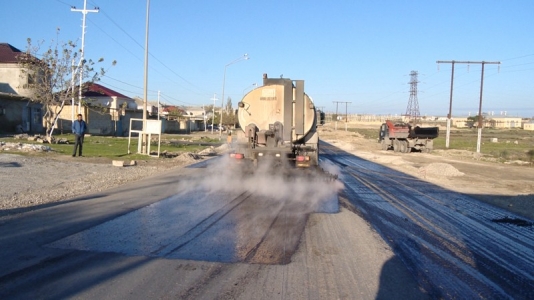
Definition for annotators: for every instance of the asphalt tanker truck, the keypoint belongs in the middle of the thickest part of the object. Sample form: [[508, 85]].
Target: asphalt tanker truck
[[402, 137], [278, 121]]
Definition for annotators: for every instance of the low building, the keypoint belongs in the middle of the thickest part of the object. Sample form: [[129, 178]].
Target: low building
[[106, 111], [19, 114], [529, 126], [195, 118], [17, 111], [503, 122]]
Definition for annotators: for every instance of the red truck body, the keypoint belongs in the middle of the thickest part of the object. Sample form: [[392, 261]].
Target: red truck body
[[401, 137]]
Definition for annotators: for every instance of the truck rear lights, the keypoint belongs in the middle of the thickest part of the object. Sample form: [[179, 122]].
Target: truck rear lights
[[237, 155], [303, 158]]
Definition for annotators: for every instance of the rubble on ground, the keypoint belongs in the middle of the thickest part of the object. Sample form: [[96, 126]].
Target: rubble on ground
[[208, 152], [187, 158], [23, 147]]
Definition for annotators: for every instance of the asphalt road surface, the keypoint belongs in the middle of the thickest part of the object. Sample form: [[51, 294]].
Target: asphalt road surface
[[196, 234], [455, 246]]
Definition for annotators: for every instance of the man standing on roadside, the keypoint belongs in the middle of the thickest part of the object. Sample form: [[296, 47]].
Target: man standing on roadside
[[78, 128]]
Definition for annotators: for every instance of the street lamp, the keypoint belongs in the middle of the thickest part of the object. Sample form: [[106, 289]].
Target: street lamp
[[213, 113], [254, 84], [144, 139], [244, 57]]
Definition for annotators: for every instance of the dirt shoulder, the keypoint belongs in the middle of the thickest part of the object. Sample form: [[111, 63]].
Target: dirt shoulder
[[37, 179], [504, 185], [33, 180]]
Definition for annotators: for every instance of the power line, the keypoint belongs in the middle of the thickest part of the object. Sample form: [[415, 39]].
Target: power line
[[69, 5], [113, 39], [453, 62], [157, 59], [346, 109]]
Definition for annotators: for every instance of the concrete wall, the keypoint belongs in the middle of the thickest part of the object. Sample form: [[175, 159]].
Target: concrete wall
[[170, 126], [12, 81], [98, 122], [19, 114]]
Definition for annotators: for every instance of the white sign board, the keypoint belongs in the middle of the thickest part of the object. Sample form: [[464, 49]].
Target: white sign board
[[153, 127]]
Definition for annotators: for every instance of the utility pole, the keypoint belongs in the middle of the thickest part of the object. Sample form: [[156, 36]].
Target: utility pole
[[213, 113], [335, 127], [449, 116], [84, 12], [144, 140], [346, 110], [158, 103], [204, 117]]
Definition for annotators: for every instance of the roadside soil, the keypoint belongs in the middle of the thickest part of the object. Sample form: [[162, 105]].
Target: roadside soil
[[505, 185], [38, 179]]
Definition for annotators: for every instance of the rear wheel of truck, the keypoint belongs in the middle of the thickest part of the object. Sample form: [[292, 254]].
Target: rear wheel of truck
[[407, 148], [396, 145], [402, 146]]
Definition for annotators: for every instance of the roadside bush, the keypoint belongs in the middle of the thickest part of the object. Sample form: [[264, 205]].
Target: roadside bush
[[530, 155]]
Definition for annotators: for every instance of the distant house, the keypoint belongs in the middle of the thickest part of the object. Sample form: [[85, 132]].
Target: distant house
[[529, 125], [460, 122], [501, 122], [196, 118], [172, 112], [107, 112], [151, 107], [504, 122], [17, 111]]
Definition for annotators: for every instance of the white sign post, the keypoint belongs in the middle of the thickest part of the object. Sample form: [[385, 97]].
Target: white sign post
[[152, 127]]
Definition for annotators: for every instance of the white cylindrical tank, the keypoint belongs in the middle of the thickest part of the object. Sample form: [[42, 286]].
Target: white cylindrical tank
[[266, 105]]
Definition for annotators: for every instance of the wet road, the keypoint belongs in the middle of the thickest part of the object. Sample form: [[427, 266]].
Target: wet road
[[454, 245], [242, 228], [190, 234]]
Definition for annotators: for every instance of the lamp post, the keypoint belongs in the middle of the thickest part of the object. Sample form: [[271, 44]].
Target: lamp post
[[144, 139], [244, 57], [213, 113], [254, 84], [204, 117]]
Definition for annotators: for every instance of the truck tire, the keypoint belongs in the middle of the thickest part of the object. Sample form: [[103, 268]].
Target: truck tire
[[407, 148], [402, 146], [396, 145], [385, 146]]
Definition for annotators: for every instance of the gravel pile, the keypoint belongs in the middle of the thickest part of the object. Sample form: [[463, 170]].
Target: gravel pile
[[441, 169]]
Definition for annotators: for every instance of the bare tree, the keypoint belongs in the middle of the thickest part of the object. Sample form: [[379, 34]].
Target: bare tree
[[530, 155], [51, 77], [228, 114], [229, 108]]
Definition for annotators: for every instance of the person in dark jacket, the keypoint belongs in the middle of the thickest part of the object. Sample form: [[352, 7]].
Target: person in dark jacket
[[79, 128]]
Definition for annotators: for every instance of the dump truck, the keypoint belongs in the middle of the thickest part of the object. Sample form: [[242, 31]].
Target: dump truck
[[402, 137]]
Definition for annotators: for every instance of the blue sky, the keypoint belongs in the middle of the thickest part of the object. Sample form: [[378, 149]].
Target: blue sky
[[352, 51]]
